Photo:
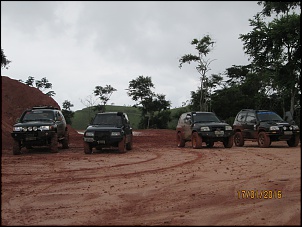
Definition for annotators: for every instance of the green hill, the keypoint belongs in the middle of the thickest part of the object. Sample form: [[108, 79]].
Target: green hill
[[83, 117]]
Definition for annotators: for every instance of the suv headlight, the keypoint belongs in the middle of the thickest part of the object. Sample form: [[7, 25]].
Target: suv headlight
[[274, 128], [228, 128], [204, 129], [295, 127], [115, 133], [17, 129], [89, 134], [45, 128]]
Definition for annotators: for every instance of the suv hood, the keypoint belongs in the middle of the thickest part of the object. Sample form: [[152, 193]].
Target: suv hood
[[211, 124], [273, 123], [102, 128], [33, 123]]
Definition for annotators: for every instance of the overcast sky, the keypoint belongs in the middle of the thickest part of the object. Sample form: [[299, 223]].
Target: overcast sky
[[79, 45]]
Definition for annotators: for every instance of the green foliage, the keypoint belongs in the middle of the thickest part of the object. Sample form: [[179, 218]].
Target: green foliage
[[82, 118], [68, 114], [150, 104], [203, 46], [104, 94], [43, 84], [30, 81], [140, 88], [274, 48], [40, 84], [4, 61]]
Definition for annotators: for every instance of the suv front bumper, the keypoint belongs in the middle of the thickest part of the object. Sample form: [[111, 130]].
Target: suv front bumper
[[33, 138], [216, 134]]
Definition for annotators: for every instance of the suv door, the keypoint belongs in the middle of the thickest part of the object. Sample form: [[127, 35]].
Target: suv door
[[60, 124], [250, 130], [126, 124], [187, 122]]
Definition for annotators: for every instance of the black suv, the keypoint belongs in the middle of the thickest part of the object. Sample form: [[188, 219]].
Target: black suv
[[40, 126], [263, 126], [108, 129], [200, 127]]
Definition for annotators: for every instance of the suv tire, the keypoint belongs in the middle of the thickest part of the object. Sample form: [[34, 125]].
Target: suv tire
[[121, 146], [65, 141], [228, 142], [263, 140], [16, 147], [293, 142], [180, 141], [54, 144], [196, 141], [238, 139], [87, 148]]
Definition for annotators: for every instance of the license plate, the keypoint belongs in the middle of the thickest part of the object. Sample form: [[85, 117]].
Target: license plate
[[30, 138], [288, 132], [219, 133], [101, 142]]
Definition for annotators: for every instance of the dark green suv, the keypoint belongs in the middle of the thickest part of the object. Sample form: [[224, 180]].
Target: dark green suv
[[40, 126], [203, 127], [264, 126], [108, 129]]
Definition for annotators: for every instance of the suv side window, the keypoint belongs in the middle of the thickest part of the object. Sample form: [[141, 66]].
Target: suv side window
[[241, 116], [58, 116], [250, 116], [182, 118]]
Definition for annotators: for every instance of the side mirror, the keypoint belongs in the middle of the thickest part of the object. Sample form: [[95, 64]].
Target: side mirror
[[289, 117], [18, 120], [253, 121]]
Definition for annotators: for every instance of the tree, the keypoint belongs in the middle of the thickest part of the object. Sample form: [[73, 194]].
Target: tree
[[30, 81], [211, 83], [68, 114], [152, 105], [274, 48], [104, 94], [4, 61], [89, 102], [203, 46]]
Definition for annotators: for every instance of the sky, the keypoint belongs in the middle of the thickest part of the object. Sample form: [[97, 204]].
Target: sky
[[79, 45]]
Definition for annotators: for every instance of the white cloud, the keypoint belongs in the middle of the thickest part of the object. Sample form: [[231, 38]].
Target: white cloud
[[78, 45]]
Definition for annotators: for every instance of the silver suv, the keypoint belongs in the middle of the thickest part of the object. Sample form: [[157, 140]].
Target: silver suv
[[203, 127]]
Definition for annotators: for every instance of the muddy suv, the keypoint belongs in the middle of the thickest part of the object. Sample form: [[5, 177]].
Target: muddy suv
[[263, 126], [40, 126], [108, 129], [203, 127]]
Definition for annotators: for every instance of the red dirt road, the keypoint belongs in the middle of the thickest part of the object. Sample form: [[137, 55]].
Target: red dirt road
[[156, 183]]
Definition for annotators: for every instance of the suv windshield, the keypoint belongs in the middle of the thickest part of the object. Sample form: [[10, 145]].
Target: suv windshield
[[268, 116], [38, 115], [205, 117], [107, 119]]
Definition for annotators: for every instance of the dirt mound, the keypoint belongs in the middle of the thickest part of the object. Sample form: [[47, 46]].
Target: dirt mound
[[16, 97]]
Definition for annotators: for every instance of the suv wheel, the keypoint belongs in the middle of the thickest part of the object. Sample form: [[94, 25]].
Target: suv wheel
[[210, 144], [16, 147], [293, 142], [129, 144], [263, 140], [228, 142], [196, 141], [87, 148], [180, 141], [121, 145], [65, 141], [54, 144], [238, 139]]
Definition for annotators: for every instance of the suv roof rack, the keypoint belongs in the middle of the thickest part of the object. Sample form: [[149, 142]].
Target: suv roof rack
[[45, 107]]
